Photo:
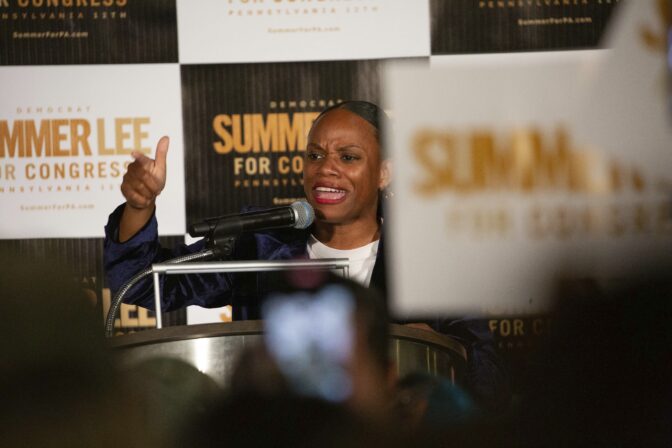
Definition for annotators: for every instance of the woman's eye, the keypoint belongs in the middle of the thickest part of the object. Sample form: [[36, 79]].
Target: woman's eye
[[349, 157], [312, 155]]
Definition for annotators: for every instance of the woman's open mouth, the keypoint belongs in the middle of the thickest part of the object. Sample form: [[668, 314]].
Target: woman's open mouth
[[327, 195]]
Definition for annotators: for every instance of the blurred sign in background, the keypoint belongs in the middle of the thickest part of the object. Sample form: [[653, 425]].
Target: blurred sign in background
[[533, 172], [486, 164]]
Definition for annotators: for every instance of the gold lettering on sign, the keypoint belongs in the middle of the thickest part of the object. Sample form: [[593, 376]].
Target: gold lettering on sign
[[256, 133], [70, 137], [130, 316], [524, 161], [656, 40]]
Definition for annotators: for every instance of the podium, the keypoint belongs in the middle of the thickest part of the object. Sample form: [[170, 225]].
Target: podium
[[214, 348]]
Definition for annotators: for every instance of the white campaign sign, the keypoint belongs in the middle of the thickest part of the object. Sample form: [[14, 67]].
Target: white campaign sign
[[510, 178], [66, 133], [286, 30]]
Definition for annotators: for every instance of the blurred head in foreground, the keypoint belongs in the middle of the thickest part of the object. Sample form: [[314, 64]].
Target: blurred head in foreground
[[57, 382], [319, 379], [604, 376], [282, 420], [327, 339]]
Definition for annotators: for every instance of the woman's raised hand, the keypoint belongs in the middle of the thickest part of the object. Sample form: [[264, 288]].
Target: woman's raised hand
[[145, 178], [143, 182]]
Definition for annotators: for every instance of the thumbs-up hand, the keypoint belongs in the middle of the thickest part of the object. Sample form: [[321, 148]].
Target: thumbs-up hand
[[145, 178]]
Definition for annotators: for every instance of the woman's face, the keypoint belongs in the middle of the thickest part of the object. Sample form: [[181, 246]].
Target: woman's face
[[342, 171]]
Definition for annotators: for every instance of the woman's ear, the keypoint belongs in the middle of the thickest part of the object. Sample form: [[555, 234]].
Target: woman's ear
[[385, 174]]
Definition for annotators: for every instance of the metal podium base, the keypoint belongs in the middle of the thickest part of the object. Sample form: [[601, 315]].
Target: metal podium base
[[213, 348]]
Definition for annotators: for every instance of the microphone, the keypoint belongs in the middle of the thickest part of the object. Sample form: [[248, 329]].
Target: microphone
[[298, 215]]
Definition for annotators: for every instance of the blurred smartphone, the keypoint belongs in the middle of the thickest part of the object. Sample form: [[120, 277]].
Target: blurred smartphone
[[310, 336]]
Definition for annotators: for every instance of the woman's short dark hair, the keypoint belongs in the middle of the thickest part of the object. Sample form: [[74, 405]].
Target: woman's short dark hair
[[373, 114]]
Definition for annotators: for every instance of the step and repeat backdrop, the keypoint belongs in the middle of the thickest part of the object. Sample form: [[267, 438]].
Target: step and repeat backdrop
[[236, 85]]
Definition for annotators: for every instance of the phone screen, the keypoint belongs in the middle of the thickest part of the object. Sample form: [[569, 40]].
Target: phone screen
[[310, 336]]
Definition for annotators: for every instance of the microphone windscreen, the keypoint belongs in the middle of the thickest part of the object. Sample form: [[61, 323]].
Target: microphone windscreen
[[304, 214]]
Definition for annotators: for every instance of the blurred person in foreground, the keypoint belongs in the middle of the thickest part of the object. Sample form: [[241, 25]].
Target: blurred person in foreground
[[327, 339], [344, 178], [321, 377], [603, 377], [171, 392], [283, 421], [58, 384]]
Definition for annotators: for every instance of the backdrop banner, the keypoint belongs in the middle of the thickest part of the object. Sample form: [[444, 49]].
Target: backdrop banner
[[487, 26], [247, 80], [289, 30], [37, 32], [246, 127], [65, 142]]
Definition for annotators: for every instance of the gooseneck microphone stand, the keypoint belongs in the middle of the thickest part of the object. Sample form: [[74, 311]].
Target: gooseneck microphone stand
[[217, 246]]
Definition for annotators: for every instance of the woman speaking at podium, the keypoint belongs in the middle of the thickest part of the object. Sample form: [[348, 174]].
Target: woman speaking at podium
[[344, 176]]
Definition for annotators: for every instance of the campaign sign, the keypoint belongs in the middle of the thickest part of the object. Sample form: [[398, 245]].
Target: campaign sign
[[523, 177], [289, 30], [66, 135]]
